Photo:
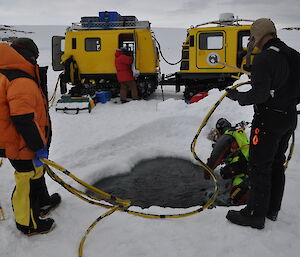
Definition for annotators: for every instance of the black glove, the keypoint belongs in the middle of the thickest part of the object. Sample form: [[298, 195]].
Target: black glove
[[232, 94], [247, 68]]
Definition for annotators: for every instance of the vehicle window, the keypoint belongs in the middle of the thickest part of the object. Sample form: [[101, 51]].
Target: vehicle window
[[211, 41], [74, 43], [92, 44], [127, 41], [243, 39], [62, 45], [192, 41]]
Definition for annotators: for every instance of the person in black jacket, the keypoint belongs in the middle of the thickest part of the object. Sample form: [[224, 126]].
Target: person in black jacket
[[274, 96]]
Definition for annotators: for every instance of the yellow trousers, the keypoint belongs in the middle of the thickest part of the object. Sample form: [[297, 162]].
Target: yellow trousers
[[22, 197]]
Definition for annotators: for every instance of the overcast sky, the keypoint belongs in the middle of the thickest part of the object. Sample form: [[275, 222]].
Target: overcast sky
[[161, 13]]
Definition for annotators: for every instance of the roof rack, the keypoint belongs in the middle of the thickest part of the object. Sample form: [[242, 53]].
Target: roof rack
[[234, 22], [225, 19], [110, 25]]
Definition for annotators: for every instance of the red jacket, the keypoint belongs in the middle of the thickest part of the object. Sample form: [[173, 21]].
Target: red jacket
[[123, 66]]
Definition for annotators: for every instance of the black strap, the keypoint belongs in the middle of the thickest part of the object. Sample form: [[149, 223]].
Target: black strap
[[14, 74]]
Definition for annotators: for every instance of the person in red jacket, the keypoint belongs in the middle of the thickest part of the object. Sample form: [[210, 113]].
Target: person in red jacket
[[123, 62], [25, 134]]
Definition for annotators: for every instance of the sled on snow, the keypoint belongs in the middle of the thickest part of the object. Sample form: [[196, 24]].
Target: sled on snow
[[74, 105]]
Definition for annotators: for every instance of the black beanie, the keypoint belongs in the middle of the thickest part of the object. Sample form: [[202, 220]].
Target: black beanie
[[26, 47]]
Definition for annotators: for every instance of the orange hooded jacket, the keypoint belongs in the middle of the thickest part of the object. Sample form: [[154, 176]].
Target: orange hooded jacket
[[20, 96]]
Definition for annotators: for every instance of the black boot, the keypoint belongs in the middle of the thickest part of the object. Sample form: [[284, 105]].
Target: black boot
[[43, 227], [55, 200], [246, 217], [272, 215], [124, 101]]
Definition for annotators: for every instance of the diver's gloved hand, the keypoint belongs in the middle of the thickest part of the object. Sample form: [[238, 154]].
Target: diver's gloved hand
[[247, 67], [40, 154], [232, 94]]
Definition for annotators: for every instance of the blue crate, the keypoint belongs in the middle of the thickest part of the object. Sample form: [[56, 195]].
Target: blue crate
[[109, 16], [103, 96]]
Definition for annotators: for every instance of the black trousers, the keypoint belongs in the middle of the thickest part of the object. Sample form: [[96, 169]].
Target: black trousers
[[270, 135]]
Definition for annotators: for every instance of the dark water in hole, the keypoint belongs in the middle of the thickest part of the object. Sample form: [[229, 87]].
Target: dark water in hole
[[165, 182]]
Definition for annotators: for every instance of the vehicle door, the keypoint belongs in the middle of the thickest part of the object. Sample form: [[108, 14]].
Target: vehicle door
[[211, 49]]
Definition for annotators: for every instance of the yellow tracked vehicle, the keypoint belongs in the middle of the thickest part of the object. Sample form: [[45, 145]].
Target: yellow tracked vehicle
[[86, 54], [207, 53]]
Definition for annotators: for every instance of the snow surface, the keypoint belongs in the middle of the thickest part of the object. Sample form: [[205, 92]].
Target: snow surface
[[111, 140]]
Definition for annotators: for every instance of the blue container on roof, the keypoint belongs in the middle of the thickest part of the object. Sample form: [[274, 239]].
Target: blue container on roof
[[109, 16]]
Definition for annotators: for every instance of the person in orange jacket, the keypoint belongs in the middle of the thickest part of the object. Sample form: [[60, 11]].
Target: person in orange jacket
[[25, 134], [123, 62]]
